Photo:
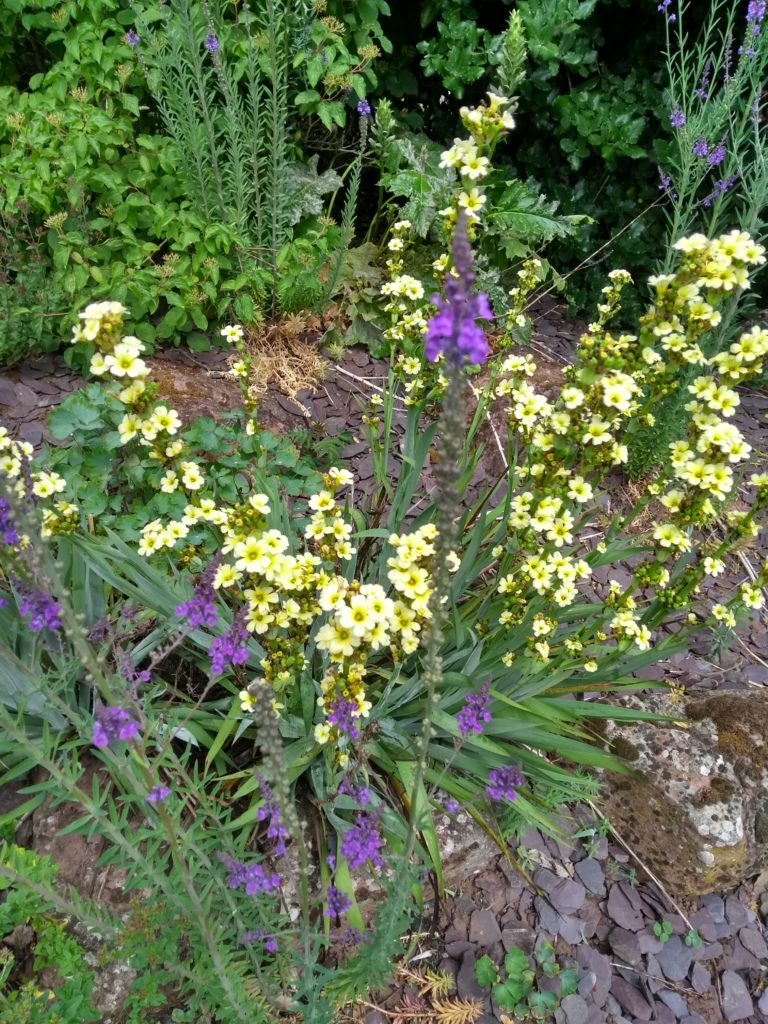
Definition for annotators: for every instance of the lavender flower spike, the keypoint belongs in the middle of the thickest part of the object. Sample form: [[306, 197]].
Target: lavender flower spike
[[453, 329]]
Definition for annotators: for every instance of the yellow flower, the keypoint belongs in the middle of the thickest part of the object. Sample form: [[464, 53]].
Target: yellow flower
[[166, 419], [191, 478], [169, 482], [46, 484]]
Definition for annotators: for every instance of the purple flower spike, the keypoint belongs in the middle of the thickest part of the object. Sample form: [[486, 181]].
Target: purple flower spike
[[343, 714], [364, 108], [453, 329], [132, 37], [337, 902], [259, 935], [251, 877], [700, 147], [157, 794], [475, 712], [502, 783], [231, 648], [677, 118], [200, 610], [362, 843], [451, 806], [8, 532], [211, 43], [113, 723], [717, 155], [41, 610], [270, 812]]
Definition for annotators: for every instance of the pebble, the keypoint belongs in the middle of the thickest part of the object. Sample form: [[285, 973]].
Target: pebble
[[754, 942], [626, 946], [736, 1000], [701, 979], [568, 896], [591, 873], [674, 958], [484, 928], [621, 911], [631, 999], [466, 983], [574, 1010], [674, 1001]]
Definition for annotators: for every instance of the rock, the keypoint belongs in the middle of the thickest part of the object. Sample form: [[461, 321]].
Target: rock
[[484, 928], [626, 945], [716, 907], [621, 911], [662, 1014], [111, 986], [701, 979], [518, 938], [707, 951], [736, 912], [648, 942], [375, 1017], [762, 1004], [674, 1001], [736, 1000], [574, 1010], [466, 983], [568, 896], [674, 958], [599, 966], [631, 999], [590, 871], [704, 924], [740, 958], [699, 789]]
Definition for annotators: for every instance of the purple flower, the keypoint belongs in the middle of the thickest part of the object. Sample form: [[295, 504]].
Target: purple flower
[[361, 794], [251, 877], [362, 843], [451, 806], [475, 711], [700, 147], [337, 902], [662, 8], [42, 610], [363, 108], [260, 935], [200, 610], [721, 187], [755, 13], [270, 812], [157, 794], [211, 43], [132, 37], [347, 937], [502, 783], [343, 714], [677, 118], [231, 648], [453, 329], [8, 532], [717, 155], [113, 723]]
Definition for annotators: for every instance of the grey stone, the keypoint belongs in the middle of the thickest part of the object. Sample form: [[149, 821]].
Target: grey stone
[[701, 979], [626, 945], [655, 978], [707, 951], [662, 1014], [484, 928], [568, 896], [571, 930], [631, 999], [716, 907], [375, 1017], [674, 1001], [466, 983], [599, 965], [740, 958], [574, 1009], [736, 913], [736, 1000], [674, 958], [752, 940], [590, 871], [621, 911], [549, 919], [458, 948], [762, 1003], [518, 938], [649, 943], [704, 924]]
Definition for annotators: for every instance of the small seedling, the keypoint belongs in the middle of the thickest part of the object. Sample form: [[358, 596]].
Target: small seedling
[[518, 992], [692, 938], [662, 930]]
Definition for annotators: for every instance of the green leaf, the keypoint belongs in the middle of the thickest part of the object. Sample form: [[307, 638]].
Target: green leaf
[[515, 962], [486, 972], [569, 981]]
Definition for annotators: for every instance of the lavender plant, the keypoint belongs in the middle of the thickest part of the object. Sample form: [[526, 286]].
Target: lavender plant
[[715, 172]]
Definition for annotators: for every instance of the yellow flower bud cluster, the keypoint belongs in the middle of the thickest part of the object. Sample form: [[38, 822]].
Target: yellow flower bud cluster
[[58, 517]]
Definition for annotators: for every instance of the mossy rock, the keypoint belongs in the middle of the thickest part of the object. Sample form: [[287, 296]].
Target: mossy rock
[[695, 808]]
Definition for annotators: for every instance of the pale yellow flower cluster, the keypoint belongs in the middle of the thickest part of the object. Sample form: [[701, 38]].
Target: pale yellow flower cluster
[[58, 517]]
